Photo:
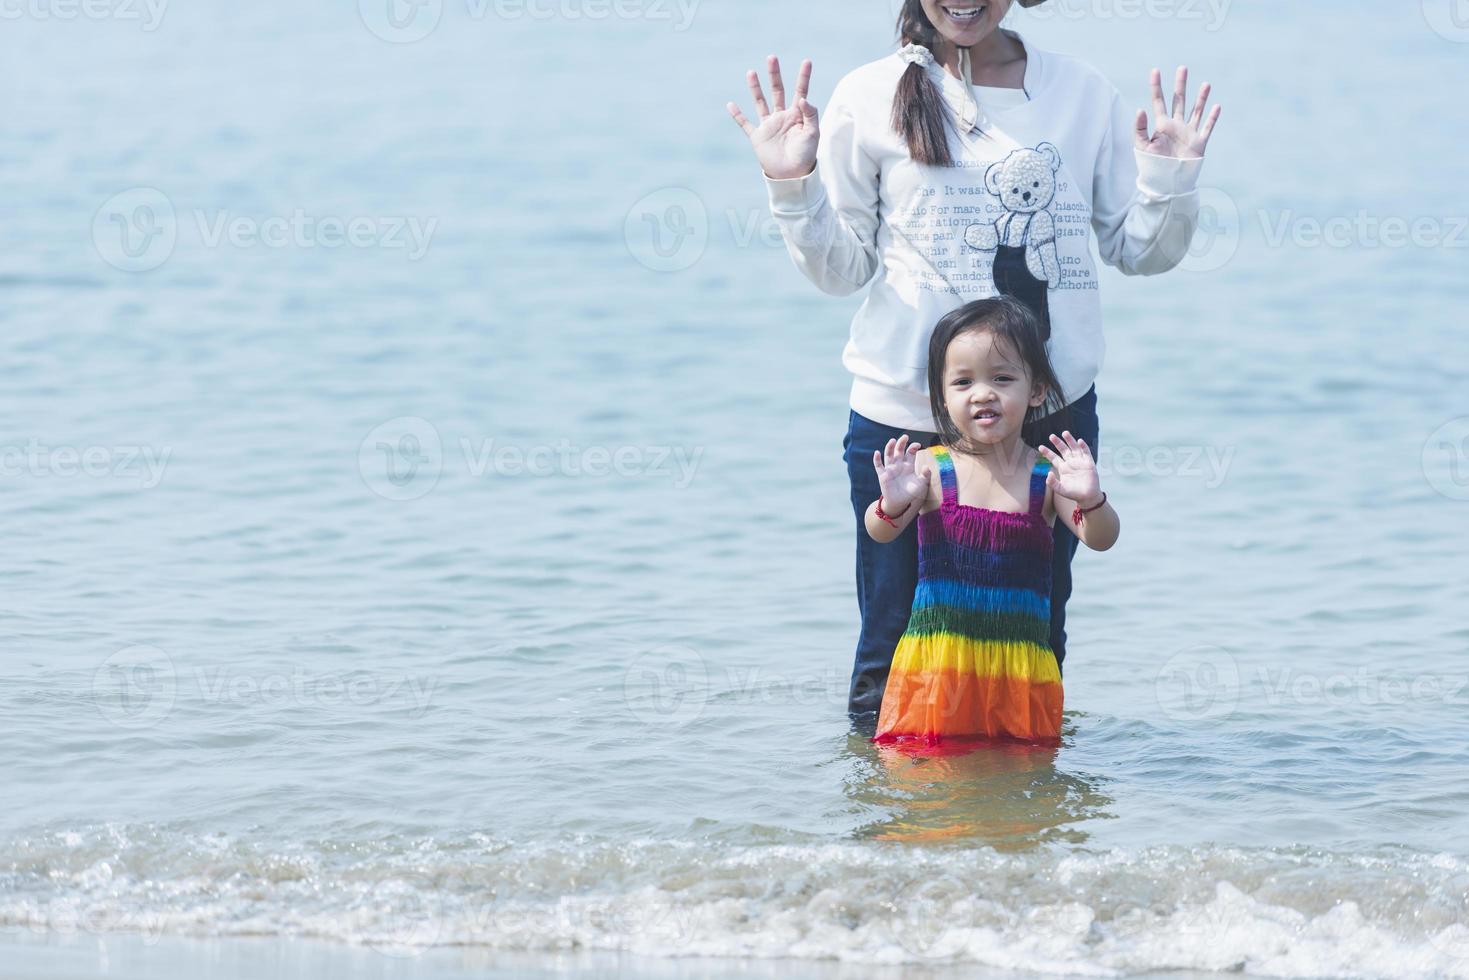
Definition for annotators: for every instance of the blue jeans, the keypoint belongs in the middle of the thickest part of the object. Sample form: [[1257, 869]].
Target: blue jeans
[[887, 574]]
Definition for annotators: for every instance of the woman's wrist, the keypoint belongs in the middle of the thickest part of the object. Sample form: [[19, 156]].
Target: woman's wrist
[[791, 176]]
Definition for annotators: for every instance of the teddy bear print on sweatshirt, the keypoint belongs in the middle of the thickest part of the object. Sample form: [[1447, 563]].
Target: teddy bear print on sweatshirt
[[1025, 183]]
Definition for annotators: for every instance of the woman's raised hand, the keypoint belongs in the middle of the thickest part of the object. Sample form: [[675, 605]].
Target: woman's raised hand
[[897, 474], [1173, 135], [785, 141], [1073, 471]]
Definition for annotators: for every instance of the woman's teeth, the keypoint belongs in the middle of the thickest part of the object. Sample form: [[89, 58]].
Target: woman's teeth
[[964, 15]]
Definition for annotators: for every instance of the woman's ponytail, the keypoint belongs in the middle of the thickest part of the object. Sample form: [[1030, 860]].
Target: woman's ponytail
[[918, 106]]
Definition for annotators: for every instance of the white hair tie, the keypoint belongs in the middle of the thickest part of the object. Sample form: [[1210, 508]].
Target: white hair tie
[[916, 54]]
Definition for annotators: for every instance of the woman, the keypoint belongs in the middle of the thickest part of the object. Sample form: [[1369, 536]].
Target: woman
[[968, 163]]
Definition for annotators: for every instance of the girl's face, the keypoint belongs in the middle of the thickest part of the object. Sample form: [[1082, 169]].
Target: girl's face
[[987, 389], [964, 23]]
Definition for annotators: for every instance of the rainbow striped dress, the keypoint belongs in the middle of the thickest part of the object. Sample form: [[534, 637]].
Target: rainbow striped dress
[[975, 662]]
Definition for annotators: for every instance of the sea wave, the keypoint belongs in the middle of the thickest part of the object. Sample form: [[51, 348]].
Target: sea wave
[[1284, 912]]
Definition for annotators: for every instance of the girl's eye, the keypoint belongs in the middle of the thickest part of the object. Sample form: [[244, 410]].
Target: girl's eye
[[1003, 377]]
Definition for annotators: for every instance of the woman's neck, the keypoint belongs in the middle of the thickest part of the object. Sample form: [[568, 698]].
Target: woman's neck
[[997, 58]]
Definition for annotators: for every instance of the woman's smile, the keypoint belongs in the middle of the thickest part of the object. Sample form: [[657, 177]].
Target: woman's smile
[[964, 16]]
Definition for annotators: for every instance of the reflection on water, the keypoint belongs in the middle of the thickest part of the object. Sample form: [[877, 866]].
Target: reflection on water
[[1007, 796]]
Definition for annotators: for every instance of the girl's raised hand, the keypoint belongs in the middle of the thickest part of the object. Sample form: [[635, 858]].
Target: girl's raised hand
[[1073, 472], [1173, 135], [898, 475], [785, 141]]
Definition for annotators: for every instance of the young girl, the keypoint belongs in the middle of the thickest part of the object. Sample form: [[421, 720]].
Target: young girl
[[976, 660], [965, 165]]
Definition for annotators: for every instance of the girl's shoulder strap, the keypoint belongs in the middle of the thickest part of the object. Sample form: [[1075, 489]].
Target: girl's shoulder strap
[[946, 474], [1038, 475]]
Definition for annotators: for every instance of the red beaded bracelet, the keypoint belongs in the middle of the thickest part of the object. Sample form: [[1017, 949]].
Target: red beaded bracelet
[[1078, 514], [889, 517]]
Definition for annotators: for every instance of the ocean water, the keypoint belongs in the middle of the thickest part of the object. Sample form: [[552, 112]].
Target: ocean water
[[427, 531]]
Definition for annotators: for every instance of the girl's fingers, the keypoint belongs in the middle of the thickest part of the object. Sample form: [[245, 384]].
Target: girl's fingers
[[1180, 89], [777, 84], [1140, 129], [1155, 79], [758, 93]]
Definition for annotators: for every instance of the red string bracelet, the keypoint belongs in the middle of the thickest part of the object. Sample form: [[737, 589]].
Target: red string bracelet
[[1078, 515], [889, 517]]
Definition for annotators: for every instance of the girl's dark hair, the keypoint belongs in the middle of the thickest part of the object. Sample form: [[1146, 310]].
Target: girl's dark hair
[[918, 107], [1013, 325]]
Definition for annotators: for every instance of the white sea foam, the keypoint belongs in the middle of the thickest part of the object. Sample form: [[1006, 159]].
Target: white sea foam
[[1268, 912]]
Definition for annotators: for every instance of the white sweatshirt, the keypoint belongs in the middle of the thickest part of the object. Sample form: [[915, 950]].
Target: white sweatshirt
[[926, 237]]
